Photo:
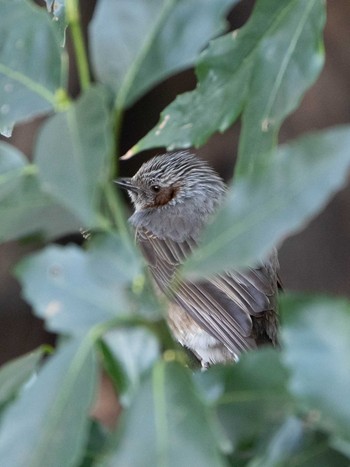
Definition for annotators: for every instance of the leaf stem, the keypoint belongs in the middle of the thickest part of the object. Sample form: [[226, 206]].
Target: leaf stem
[[160, 413], [73, 20]]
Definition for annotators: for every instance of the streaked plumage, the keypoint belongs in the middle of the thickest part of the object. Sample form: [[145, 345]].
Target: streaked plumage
[[174, 196]]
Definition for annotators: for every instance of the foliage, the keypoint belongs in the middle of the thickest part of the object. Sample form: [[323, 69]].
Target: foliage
[[273, 408]]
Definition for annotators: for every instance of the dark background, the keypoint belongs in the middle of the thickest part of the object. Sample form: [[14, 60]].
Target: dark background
[[316, 259]]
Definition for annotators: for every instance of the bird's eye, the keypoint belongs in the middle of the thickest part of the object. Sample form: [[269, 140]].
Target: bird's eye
[[155, 188]]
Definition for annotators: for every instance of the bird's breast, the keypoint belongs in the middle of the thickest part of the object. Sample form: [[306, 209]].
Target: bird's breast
[[207, 348]]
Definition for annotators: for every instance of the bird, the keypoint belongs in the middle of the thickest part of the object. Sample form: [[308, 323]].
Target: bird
[[175, 195]]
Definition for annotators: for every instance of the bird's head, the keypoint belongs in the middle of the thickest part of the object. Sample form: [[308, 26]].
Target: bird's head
[[172, 181]]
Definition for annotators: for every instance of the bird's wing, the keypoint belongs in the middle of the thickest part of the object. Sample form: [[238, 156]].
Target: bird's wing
[[224, 305]]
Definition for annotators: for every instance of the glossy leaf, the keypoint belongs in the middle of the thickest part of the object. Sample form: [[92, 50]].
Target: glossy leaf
[[136, 44], [53, 412], [57, 9], [341, 445], [73, 290], [97, 440], [167, 424], [14, 374], [73, 155], [250, 398], [135, 351], [265, 68], [295, 443], [316, 350], [282, 197], [25, 208], [284, 442], [30, 62], [287, 62]]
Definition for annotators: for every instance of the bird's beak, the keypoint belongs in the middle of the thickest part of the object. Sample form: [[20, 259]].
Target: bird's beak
[[127, 184]]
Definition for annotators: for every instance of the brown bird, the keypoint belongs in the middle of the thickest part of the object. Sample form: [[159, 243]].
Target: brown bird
[[218, 318]]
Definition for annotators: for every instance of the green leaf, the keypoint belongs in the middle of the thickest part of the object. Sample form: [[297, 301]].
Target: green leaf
[[135, 350], [263, 209], [14, 374], [30, 62], [316, 350], [50, 418], [73, 154], [167, 424], [288, 61], [250, 398], [265, 68], [341, 445], [57, 9], [136, 45], [24, 207], [73, 290], [282, 445], [295, 443], [96, 444]]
